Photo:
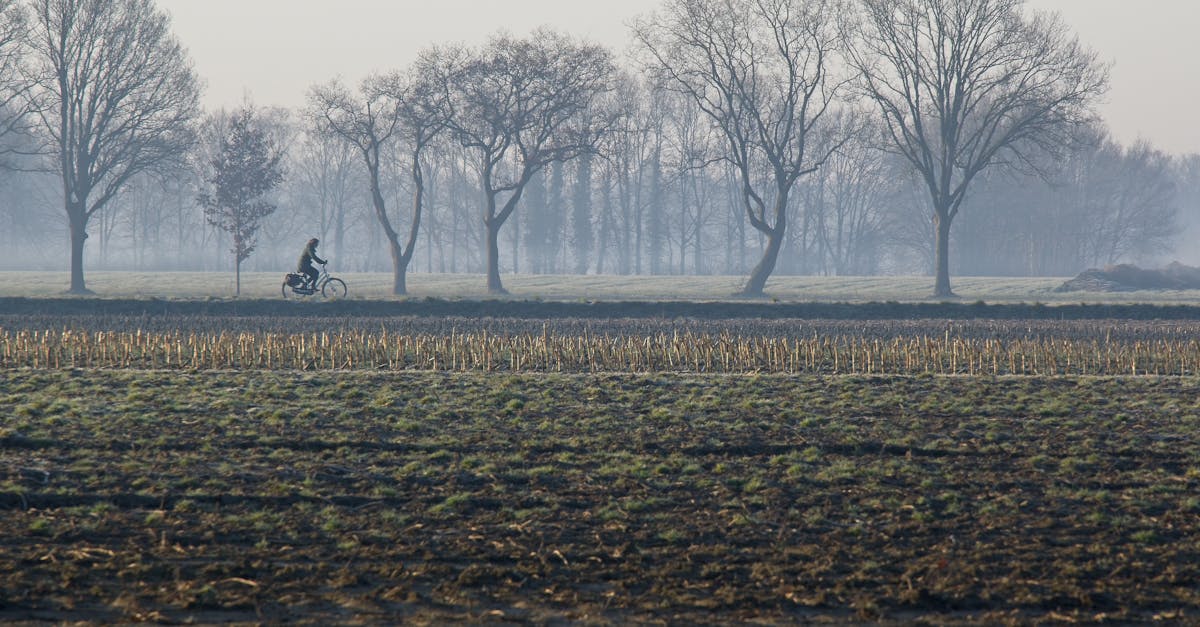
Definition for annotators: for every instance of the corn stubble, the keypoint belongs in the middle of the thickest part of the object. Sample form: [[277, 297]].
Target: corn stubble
[[919, 353]]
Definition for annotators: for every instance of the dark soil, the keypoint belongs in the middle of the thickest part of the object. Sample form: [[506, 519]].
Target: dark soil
[[533, 310], [427, 498], [603, 499]]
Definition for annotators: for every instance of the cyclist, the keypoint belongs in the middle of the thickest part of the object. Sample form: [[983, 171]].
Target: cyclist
[[306, 262]]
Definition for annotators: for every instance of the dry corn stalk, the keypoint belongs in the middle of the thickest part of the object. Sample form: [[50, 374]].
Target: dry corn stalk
[[550, 352]]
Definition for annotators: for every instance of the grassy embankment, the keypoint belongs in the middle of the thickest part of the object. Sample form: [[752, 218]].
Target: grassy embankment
[[198, 285]]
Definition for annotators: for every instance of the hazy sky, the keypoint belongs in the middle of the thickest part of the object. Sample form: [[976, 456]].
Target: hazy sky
[[274, 50]]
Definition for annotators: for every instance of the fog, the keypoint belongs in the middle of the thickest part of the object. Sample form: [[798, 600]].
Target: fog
[[656, 200], [274, 50]]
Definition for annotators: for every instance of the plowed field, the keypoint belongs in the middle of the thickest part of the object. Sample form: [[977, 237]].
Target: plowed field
[[229, 461], [358, 497]]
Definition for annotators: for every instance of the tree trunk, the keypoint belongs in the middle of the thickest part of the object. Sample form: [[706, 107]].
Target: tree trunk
[[339, 230], [941, 227], [606, 228], [237, 280], [399, 269], [766, 265], [654, 219], [399, 259], [556, 211], [762, 271], [494, 285], [516, 248], [492, 221], [77, 216], [581, 206]]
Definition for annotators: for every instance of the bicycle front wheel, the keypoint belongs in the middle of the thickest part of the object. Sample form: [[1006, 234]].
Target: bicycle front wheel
[[334, 288]]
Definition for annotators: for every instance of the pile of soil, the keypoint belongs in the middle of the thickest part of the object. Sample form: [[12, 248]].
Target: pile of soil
[[1128, 278]]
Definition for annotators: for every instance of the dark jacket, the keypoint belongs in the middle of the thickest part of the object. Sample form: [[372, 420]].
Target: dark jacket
[[308, 256]]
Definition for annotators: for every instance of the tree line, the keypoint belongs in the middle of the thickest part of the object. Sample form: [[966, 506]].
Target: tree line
[[753, 137]]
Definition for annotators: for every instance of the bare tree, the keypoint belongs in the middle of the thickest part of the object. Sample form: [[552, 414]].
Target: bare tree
[[1188, 173], [583, 237], [399, 107], [1120, 203], [116, 96], [143, 212], [846, 199], [246, 168], [965, 84], [760, 70], [689, 160], [520, 105], [630, 153], [326, 175], [537, 221], [14, 84]]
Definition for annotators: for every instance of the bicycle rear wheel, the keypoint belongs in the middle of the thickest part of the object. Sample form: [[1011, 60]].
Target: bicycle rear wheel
[[334, 288]]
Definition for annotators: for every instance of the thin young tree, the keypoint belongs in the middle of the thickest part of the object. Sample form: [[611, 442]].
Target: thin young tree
[[520, 105], [246, 168], [761, 72], [115, 95], [967, 84]]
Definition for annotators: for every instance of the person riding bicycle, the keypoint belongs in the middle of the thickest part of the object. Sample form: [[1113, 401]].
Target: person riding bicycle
[[306, 262]]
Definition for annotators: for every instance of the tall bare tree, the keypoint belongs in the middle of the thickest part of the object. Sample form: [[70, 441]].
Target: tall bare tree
[[116, 96], [761, 71], [401, 111], [966, 84], [520, 105]]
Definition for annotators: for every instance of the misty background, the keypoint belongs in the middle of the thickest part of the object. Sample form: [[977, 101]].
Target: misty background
[[654, 199]]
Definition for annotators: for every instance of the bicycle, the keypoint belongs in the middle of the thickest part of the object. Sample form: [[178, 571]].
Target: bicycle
[[329, 286]]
